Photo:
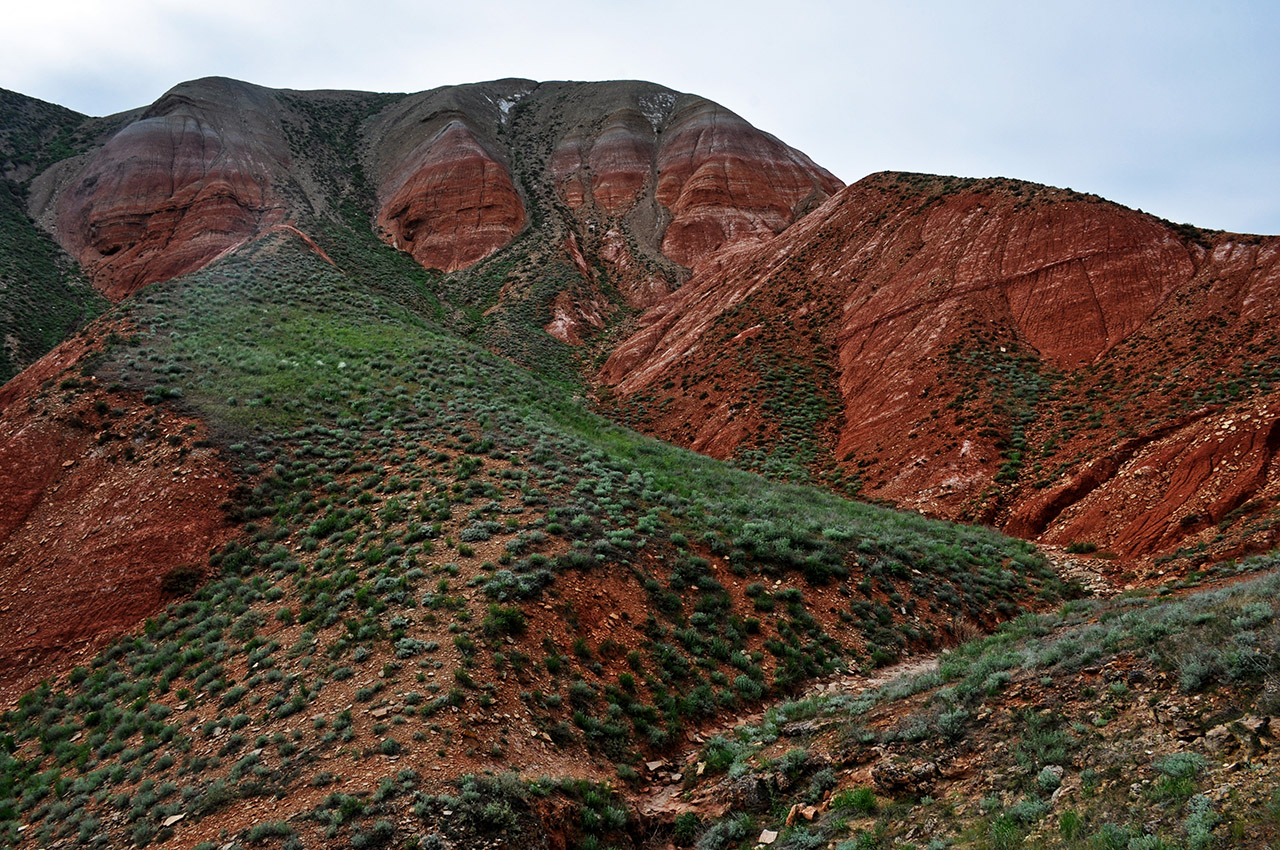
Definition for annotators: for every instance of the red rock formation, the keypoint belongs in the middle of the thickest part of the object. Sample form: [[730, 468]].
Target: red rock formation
[[652, 176], [640, 287], [451, 203], [904, 286], [612, 169], [726, 182], [195, 175], [720, 181]]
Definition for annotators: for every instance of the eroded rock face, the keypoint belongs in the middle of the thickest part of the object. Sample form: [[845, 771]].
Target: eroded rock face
[[717, 181], [650, 181], [445, 193], [456, 204], [726, 183], [612, 169], [937, 316], [196, 174]]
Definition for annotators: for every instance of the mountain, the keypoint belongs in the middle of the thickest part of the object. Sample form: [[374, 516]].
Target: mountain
[[317, 535], [1067, 369], [455, 174]]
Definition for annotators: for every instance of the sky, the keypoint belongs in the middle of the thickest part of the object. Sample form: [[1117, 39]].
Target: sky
[[1170, 107]]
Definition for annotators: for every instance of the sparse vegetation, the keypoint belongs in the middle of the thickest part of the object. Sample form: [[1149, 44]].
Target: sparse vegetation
[[442, 556]]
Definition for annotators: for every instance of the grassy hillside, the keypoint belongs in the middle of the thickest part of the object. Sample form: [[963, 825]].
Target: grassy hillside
[[433, 538], [43, 296], [1144, 721], [35, 134]]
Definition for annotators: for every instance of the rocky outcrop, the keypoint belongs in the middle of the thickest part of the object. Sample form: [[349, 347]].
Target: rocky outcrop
[[454, 205], [197, 173], [682, 173], [445, 193], [957, 324], [724, 183], [611, 168]]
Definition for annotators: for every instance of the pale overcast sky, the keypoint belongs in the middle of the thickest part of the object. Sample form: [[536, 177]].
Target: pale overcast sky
[[1171, 107]]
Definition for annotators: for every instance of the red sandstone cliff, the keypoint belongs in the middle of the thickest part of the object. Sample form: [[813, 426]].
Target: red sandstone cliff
[[445, 192], [930, 304], [682, 177]]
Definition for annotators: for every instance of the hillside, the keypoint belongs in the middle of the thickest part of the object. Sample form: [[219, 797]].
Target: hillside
[[425, 530], [1067, 369], [317, 537], [44, 296]]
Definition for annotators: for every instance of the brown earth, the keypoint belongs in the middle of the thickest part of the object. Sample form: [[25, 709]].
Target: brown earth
[[101, 498], [936, 312]]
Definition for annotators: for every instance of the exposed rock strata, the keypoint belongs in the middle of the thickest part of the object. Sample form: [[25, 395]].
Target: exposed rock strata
[[899, 278], [197, 173]]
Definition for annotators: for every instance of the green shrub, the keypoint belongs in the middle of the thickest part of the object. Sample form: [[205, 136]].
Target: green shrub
[[504, 620], [858, 801], [181, 580], [268, 829], [686, 829]]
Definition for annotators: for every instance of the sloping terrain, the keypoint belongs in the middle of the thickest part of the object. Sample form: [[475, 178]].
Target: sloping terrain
[[430, 539], [455, 175], [1065, 368], [43, 296], [1135, 722], [194, 174], [311, 539]]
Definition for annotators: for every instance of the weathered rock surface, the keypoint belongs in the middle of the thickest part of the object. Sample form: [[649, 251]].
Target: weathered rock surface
[[725, 183], [648, 181], [445, 193], [709, 178], [612, 169], [197, 173], [939, 315]]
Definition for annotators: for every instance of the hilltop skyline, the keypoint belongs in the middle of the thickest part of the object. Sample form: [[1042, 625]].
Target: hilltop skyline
[[1155, 106]]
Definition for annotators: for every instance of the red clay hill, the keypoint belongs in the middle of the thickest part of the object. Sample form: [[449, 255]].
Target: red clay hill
[[192, 175], [1062, 367], [987, 350], [453, 173]]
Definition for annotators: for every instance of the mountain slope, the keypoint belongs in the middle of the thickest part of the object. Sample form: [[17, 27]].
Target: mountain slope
[[43, 297], [985, 350], [311, 539], [428, 538]]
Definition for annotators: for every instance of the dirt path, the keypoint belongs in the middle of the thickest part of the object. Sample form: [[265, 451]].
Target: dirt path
[[1071, 568], [665, 798]]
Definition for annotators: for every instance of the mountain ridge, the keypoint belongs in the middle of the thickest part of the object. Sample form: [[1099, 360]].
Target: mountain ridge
[[310, 540]]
